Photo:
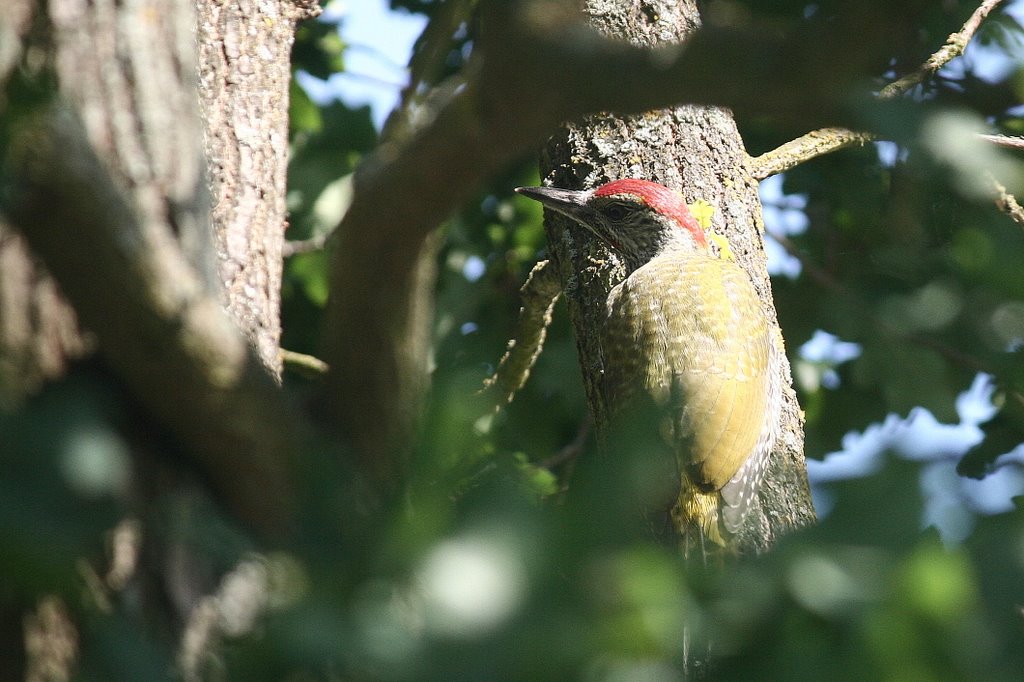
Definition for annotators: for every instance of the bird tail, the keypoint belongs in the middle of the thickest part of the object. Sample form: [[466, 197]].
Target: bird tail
[[696, 517]]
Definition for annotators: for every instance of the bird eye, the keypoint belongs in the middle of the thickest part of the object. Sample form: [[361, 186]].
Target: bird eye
[[616, 212]]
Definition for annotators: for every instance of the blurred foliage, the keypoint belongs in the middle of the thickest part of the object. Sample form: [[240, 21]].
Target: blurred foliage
[[491, 569]]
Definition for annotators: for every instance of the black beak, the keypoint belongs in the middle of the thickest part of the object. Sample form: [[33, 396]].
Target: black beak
[[568, 202]]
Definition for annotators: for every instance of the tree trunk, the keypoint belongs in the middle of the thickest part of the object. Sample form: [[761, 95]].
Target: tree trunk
[[39, 331], [105, 180], [244, 53], [697, 150]]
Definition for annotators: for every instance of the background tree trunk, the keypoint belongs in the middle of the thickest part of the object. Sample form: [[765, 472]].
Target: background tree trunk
[[697, 150], [108, 183], [39, 331]]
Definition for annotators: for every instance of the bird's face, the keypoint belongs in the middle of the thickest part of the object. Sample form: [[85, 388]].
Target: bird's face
[[637, 218]]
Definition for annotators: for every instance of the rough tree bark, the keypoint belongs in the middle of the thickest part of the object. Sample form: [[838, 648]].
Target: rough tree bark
[[39, 332], [244, 53], [105, 180], [698, 150]]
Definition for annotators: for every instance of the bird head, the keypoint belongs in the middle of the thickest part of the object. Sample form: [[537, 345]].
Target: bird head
[[638, 219]]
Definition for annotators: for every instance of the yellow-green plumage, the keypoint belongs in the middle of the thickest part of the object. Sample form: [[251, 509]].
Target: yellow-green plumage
[[686, 331]]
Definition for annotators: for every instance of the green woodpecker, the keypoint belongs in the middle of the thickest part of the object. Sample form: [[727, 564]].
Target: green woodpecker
[[687, 328]]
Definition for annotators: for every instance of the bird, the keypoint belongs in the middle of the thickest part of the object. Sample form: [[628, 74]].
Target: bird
[[686, 331]]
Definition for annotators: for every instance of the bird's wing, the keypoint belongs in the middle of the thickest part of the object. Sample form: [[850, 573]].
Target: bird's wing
[[713, 387]]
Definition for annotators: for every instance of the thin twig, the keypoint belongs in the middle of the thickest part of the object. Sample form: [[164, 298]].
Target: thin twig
[[1006, 202], [301, 363], [795, 152], [370, 78], [539, 294], [573, 449], [815, 271], [427, 64], [819, 142], [375, 53], [291, 248], [1008, 141], [951, 354], [954, 47]]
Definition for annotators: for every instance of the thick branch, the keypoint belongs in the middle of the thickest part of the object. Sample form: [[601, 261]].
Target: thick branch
[[157, 327], [806, 73]]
